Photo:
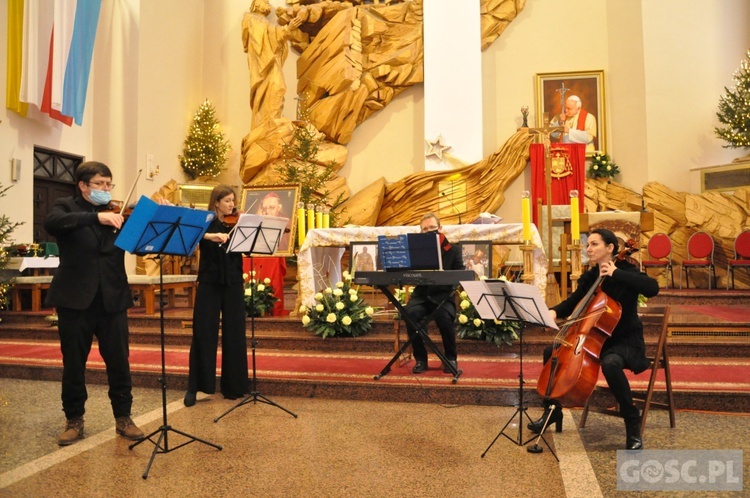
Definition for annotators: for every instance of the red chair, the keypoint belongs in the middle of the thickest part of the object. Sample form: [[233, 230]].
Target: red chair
[[659, 252], [700, 249], [741, 255]]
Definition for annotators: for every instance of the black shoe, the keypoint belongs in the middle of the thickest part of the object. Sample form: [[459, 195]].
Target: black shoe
[[419, 367], [633, 439], [556, 418], [634, 443], [447, 370], [189, 398]]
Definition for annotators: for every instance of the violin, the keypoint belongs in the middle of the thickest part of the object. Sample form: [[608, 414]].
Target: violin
[[231, 219], [119, 207], [572, 371]]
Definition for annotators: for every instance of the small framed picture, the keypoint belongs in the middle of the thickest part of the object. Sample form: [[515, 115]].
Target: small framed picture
[[477, 256], [363, 256], [586, 110], [275, 200]]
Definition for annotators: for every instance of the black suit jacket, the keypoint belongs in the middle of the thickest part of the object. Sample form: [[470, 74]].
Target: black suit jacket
[[89, 260]]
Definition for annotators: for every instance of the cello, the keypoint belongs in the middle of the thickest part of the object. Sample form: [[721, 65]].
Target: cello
[[572, 371]]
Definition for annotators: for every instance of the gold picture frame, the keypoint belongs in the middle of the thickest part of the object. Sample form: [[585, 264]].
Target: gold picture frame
[[282, 201], [587, 85]]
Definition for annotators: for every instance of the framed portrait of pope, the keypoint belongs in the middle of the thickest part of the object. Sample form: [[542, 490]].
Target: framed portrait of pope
[[574, 101]]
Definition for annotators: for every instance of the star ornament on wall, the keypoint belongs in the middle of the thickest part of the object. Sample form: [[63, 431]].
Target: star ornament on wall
[[436, 147]]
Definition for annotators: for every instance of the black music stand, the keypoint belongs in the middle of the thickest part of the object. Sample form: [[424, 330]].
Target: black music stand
[[157, 229], [520, 303], [420, 329], [255, 234]]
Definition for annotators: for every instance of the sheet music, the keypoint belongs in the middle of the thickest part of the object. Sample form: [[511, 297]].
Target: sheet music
[[490, 301], [257, 234]]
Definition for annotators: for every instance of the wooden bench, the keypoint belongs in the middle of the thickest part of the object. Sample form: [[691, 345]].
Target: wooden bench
[[33, 284], [147, 286]]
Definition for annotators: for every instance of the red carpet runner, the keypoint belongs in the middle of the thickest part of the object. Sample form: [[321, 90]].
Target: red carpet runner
[[688, 374]]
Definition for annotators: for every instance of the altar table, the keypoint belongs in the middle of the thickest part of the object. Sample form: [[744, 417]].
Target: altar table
[[35, 263], [319, 259]]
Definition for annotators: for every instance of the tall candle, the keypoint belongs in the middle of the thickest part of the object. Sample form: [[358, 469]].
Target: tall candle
[[326, 218], [310, 216], [575, 225], [301, 223], [319, 217], [526, 215]]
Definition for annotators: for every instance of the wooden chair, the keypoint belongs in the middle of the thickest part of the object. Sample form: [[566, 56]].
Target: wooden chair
[[660, 360], [741, 255]]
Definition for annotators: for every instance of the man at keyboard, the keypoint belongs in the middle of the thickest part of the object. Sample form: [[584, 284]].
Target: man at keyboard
[[437, 299]]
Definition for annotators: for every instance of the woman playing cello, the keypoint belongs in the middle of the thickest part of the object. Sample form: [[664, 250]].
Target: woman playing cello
[[622, 282]]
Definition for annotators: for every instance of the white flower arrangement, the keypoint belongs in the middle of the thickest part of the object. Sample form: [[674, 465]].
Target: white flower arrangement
[[469, 325], [338, 311], [259, 296]]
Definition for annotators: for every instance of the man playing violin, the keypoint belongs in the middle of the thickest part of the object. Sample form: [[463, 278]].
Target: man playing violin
[[91, 293], [623, 282]]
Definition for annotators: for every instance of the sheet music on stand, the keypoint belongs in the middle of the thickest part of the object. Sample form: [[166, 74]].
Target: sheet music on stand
[[257, 234], [154, 228], [491, 299]]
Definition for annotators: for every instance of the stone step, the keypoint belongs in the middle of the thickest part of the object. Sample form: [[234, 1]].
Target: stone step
[[288, 334]]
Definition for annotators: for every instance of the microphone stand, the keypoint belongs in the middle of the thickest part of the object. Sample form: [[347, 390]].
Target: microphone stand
[[453, 206]]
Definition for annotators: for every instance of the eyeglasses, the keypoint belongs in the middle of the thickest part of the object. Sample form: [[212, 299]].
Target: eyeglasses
[[102, 185]]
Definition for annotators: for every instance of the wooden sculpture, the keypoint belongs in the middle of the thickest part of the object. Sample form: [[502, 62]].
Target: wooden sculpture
[[354, 60]]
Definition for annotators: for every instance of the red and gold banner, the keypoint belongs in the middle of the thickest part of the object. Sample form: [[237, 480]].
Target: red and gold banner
[[568, 173]]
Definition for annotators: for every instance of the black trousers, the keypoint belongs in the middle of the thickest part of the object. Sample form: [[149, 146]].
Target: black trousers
[[217, 304], [613, 368], [77, 329], [443, 319]]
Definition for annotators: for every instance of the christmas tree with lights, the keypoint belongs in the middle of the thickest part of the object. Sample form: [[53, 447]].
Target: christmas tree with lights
[[734, 109], [205, 149], [6, 228]]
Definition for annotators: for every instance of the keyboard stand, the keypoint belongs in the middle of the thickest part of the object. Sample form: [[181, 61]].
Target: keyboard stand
[[419, 328]]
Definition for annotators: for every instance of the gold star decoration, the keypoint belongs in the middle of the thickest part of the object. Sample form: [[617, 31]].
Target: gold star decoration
[[436, 147]]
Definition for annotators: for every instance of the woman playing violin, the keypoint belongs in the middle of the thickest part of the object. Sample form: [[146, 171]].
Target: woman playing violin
[[623, 282], [220, 298]]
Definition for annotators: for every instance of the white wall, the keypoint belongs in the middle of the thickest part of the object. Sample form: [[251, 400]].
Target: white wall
[[692, 49], [665, 64]]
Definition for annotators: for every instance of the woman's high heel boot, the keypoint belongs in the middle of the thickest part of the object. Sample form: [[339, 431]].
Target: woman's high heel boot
[[632, 417], [633, 439], [556, 418]]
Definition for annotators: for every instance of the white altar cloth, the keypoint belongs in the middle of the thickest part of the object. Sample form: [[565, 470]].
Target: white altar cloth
[[319, 259]]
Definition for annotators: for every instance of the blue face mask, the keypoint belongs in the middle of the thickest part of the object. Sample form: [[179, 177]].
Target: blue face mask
[[100, 197]]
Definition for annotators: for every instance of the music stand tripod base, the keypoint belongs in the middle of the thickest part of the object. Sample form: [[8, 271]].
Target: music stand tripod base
[[254, 396], [507, 308]]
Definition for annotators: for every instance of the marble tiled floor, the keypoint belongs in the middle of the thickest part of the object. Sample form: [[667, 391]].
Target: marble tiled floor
[[334, 448]]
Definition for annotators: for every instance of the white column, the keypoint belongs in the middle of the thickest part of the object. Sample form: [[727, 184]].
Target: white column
[[452, 82]]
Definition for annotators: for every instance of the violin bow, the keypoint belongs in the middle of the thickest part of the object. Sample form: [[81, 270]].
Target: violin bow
[[130, 194]]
